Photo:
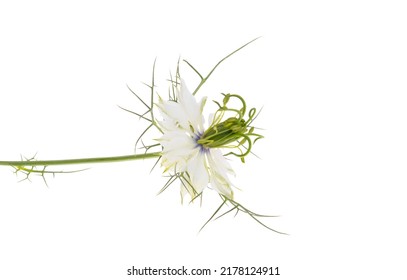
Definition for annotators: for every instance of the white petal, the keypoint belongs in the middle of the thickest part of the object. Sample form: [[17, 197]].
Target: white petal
[[192, 108], [178, 148], [186, 112], [221, 186], [198, 171], [219, 163], [220, 169]]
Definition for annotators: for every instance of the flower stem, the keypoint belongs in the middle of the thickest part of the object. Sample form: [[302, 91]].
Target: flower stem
[[80, 160]]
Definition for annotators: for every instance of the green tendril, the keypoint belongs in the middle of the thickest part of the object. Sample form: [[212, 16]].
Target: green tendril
[[234, 131], [235, 206], [204, 79]]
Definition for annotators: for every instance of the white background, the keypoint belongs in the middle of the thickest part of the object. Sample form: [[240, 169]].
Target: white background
[[330, 76]]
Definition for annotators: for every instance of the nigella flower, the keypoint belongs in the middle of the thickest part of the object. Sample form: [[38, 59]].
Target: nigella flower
[[183, 151], [196, 154]]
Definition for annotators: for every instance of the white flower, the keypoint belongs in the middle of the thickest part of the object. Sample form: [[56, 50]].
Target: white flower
[[197, 166]]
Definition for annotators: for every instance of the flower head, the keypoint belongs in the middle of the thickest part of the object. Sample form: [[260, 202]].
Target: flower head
[[195, 154], [183, 127]]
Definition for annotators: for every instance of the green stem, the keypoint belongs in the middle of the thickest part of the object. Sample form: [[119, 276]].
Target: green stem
[[79, 160], [203, 80]]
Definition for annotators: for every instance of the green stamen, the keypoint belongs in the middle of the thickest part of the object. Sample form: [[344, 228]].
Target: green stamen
[[234, 132]]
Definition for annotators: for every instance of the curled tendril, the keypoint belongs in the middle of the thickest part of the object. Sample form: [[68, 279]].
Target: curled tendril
[[233, 132]]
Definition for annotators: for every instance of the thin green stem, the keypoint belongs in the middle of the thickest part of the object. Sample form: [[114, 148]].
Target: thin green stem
[[203, 80], [80, 160]]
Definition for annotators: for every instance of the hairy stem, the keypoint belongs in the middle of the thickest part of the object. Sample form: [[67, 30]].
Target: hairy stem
[[80, 160]]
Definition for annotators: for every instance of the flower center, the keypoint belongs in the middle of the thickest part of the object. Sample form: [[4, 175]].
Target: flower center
[[197, 138], [222, 134], [233, 132]]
